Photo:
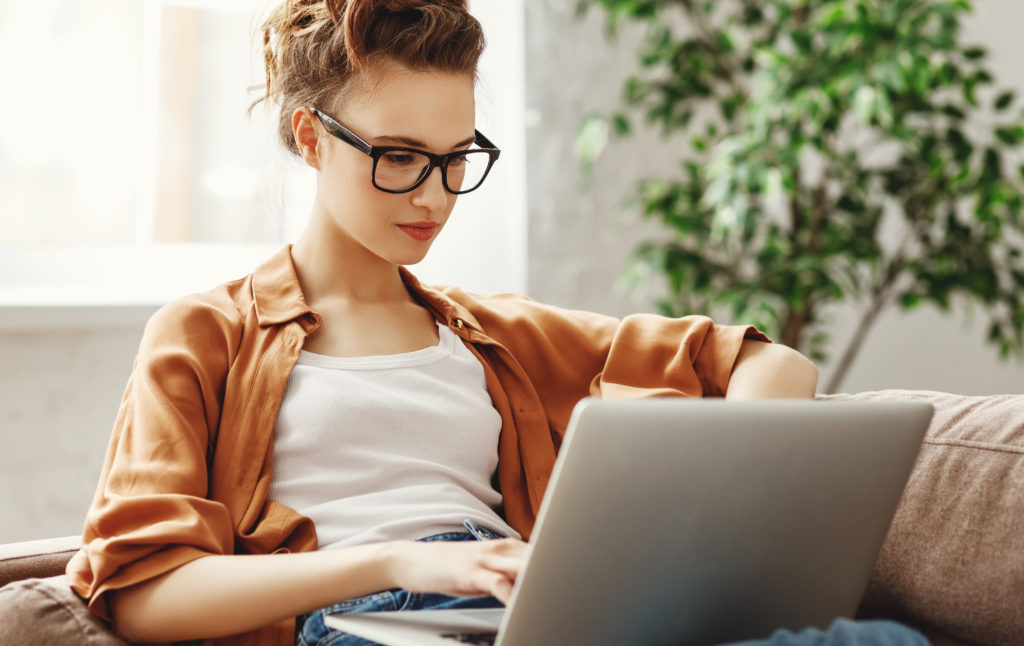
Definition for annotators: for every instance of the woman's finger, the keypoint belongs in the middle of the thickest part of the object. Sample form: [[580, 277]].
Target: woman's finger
[[506, 565], [495, 584], [502, 590]]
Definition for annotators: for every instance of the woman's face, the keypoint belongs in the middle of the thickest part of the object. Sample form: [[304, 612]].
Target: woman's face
[[393, 106]]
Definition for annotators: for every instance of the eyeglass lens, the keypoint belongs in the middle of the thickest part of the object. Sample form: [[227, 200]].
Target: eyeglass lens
[[399, 170]]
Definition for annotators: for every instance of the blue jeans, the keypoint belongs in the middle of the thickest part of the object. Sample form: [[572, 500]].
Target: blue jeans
[[311, 631], [845, 632]]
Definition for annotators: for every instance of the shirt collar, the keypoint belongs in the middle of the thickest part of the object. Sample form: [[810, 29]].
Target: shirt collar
[[444, 309], [276, 291]]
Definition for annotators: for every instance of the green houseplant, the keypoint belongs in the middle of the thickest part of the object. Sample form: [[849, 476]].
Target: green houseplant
[[837, 151]]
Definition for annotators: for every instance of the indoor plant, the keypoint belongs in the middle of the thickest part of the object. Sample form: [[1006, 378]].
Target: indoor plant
[[837, 150]]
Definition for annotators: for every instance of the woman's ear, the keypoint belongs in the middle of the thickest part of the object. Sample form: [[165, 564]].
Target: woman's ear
[[306, 136]]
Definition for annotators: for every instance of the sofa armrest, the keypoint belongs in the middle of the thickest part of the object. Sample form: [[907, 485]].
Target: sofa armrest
[[36, 559], [37, 606]]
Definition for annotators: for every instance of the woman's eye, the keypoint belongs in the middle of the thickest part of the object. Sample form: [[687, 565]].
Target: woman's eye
[[398, 158], [458, 162]]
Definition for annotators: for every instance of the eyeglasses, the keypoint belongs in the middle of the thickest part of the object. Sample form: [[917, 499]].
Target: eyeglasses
[[397, 169]]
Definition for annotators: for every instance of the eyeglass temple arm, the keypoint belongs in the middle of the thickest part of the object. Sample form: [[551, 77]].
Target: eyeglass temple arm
[[342, 132], [483, 141]]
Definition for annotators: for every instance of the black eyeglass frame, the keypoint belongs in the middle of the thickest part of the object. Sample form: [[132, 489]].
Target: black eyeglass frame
[[436, 161]]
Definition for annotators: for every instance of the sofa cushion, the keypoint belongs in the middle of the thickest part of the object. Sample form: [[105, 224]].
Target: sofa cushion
[[46, 611], [953, 561]]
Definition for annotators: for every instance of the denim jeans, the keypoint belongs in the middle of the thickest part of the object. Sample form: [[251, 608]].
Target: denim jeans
[[311, 631], [845, 632]]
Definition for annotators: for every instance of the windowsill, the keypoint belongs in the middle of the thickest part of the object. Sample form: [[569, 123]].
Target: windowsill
[[51, 317], [77, 286]]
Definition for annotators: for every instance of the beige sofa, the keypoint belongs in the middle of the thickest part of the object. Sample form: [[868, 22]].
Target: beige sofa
[[952, 565]]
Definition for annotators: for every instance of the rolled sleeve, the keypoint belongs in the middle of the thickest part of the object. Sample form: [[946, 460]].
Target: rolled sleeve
[[150, 513], [717, 357], [654, 356]]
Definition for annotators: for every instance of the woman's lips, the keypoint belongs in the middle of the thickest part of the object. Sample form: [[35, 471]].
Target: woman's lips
[[421, 231]]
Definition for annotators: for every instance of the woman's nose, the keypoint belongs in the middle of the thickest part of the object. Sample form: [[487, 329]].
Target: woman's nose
[[431, 193]]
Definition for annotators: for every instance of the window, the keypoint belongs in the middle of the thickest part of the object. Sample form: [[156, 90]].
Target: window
[[127, 154]]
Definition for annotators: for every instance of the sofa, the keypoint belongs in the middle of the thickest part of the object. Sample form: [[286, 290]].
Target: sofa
[[952, 564]]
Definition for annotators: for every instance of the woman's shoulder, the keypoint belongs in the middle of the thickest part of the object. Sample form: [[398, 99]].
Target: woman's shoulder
[[202, 317], [504, 314], [513, 304]]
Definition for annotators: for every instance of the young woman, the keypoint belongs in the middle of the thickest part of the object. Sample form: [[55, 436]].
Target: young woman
[[329, 433]]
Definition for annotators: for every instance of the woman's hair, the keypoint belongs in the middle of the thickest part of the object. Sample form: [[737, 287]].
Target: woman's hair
[[314, 49]]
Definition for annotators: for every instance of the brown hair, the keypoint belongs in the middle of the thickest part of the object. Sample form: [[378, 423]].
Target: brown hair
[[314, 49]]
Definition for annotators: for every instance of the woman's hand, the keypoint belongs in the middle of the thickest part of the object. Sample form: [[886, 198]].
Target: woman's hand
[[464, 569]]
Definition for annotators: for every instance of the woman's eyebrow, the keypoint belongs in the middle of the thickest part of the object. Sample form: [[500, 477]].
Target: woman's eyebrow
[[415, 143]]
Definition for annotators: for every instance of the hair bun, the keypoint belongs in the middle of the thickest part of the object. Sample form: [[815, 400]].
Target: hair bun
[[339, 9], [357, 18], [402, 5]]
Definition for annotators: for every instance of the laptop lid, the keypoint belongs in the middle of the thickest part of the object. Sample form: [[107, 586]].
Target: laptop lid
[[699, 521]]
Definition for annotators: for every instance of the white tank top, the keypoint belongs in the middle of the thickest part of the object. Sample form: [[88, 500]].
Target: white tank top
[[388, 447]]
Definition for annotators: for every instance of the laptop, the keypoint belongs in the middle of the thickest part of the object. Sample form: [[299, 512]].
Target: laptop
[[694, 521]]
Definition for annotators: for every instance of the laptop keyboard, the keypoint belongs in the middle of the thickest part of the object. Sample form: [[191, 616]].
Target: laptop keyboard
[[479, 639]]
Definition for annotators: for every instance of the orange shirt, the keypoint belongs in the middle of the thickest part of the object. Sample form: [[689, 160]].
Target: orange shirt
[[189, 463]]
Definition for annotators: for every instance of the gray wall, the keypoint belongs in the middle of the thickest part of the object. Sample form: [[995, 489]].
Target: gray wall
[[61, 387]]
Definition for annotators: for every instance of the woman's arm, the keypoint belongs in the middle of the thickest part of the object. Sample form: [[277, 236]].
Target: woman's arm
[[765, 370], [216, 596]]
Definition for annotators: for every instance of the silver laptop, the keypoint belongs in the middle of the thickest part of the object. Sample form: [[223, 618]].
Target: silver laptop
[[688, 521]]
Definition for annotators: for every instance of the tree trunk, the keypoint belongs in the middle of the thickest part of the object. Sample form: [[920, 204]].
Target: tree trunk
[[882, 294], [867, 320], [793, 328]]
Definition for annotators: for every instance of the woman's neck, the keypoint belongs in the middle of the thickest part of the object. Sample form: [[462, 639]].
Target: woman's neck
[[335, 268]]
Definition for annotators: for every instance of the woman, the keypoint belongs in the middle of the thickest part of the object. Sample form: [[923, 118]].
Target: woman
[[328, 400]]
